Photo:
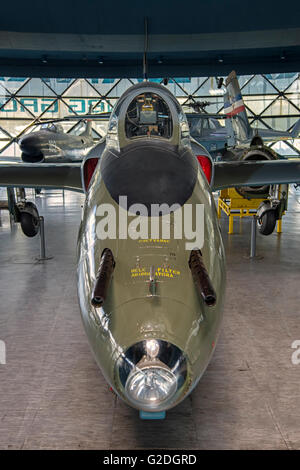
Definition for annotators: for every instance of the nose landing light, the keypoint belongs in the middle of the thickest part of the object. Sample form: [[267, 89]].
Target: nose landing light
[[151, 385], [153, 374]]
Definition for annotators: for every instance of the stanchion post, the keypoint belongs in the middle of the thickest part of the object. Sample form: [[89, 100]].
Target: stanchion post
[[42, 237], [43, 256], [253, 238]]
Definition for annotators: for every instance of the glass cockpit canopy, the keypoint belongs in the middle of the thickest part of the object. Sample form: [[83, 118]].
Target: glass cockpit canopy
[[51, 127], [148, 115]]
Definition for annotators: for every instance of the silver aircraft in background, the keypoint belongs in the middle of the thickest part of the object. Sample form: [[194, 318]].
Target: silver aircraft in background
[[51, 143]]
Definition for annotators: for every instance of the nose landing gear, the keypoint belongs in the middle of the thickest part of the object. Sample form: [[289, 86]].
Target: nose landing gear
[[267, 221], [272, 209]]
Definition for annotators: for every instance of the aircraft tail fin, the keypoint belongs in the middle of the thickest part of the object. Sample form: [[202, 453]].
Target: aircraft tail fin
[[88, 127], [296, 130], [234, 107]]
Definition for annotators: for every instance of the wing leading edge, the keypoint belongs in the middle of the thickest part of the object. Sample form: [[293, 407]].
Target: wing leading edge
[[44, 175], [255, 173]]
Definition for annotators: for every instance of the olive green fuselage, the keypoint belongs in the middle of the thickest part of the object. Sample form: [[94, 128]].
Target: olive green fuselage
[[132, 313]]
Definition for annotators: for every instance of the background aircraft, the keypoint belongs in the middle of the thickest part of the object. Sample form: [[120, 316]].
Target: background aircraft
[[51, 143], [247, 143], [207, 130], [151, 308], [234, 107]]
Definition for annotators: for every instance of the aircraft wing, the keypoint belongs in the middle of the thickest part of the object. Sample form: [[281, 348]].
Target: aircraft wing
[[255, 173], [41, 175], [79, 117], [10, 160]]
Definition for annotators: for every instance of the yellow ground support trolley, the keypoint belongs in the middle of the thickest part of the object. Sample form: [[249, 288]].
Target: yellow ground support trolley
[[235, 205]]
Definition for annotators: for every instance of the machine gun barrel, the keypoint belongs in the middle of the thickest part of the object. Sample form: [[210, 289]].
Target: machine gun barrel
[[104, 274], [201, 278]]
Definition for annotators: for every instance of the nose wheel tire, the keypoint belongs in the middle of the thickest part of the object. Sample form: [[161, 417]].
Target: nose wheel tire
[[266, 223]]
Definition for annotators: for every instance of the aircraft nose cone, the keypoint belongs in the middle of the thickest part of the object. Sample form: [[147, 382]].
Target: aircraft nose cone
[[30, 147], [29, 144]]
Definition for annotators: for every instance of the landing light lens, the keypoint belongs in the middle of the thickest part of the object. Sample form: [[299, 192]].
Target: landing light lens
[[151, 374], [151, 386]]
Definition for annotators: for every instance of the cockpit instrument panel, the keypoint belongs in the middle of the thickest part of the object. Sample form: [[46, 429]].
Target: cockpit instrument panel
[[148, 115]]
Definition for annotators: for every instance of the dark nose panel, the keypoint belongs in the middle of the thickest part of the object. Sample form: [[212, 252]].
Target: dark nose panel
[[150, 173], [28, 141], [31, 149]]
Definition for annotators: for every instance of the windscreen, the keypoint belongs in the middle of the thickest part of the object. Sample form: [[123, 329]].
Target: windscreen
[[52, 127], [148, 115], [195, 125]]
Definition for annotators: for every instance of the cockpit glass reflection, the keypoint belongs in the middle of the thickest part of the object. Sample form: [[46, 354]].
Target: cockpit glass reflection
[[148, 115], [52, 127]]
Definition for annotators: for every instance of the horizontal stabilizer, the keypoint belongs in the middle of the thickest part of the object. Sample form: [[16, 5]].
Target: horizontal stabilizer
[[296, 130]]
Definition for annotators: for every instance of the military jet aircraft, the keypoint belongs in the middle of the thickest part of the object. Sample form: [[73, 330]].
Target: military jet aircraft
[[250, 144], [151, 305], [206, 128], [52, 144], [207, 131], [234, 107]]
